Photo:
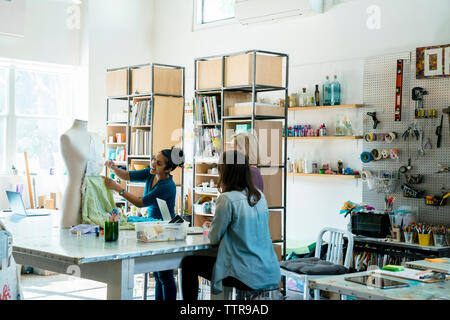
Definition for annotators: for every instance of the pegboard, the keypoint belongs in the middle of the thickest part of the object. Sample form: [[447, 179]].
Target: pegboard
[[379, 97]]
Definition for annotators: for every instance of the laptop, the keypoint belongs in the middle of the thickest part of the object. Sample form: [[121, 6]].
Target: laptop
[[18, 207], [162, 204]]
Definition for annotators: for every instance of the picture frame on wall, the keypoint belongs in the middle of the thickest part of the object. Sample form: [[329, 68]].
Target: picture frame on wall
[[12, 17], [433, 62]]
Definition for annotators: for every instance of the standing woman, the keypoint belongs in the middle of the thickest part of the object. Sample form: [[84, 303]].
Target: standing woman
[[240, 228], [158, 184]]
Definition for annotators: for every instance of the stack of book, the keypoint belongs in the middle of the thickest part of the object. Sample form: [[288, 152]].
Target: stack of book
[[208, 142], [206, 110], [140, 142], [141, 113]]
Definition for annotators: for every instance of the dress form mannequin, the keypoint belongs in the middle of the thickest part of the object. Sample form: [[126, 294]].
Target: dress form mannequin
[[75, 149]]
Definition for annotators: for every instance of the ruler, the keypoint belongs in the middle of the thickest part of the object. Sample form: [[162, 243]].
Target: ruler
[[399, 91]]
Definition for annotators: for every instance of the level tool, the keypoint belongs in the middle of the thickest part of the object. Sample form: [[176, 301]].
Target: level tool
[[399, 91]]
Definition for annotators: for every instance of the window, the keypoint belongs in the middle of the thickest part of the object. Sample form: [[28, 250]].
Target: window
[[36, 110], [209, 11]]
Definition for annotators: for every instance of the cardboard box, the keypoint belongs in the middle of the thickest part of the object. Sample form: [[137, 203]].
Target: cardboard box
[[239, 70], [245, 109], [277, 248], [168, 81], [273, 186], [209, 74], [275, 225], [117, 83], [141, 80]]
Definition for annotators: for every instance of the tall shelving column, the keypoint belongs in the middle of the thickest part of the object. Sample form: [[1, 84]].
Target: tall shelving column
[[160, 89], [239, 78]]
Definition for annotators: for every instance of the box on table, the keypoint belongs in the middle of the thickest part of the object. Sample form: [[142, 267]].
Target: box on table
[[159, 231]]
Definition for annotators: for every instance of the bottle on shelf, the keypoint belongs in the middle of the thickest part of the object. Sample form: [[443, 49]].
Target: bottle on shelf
[[335, 92], [317, 96], [327, 92], [303, 98]]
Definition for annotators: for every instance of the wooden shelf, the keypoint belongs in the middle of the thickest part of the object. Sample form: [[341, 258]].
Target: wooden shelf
[[208, 124], [347, 106], [206, 175], [341, 176], [327, 138], [204, 214], [146, 126]]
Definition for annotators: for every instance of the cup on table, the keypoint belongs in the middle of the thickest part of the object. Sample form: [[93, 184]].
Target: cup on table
[[438, 240], [424, 239], [408, 237], [111, 231]]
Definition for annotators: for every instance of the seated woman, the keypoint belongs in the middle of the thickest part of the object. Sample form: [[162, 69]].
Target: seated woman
[[158, 184], [247, 143], [240, 228]]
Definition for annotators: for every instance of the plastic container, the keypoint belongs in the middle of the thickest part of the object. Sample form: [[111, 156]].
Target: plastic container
[[111, 231], [408, 237], [425, 239], [438, 240], [160, 231]]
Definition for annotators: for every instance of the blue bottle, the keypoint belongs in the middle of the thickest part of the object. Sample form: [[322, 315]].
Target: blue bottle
[[335, 92], [327, 92]]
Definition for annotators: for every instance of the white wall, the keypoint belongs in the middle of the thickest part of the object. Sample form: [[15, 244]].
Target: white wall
[[118, 33], [47, 36], [335, 42]]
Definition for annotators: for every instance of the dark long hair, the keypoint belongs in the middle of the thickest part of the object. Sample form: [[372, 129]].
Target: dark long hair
[[235, 175], [175, 158]]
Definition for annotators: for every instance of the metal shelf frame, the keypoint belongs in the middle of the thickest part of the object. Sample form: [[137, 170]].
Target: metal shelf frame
[[149, 96], [254, 89]]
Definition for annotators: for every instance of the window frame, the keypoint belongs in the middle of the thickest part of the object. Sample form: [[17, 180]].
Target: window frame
[[196, 26], [11, 118]]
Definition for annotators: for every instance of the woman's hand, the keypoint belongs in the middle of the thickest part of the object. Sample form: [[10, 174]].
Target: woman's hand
[[110, 164], [111, 184]]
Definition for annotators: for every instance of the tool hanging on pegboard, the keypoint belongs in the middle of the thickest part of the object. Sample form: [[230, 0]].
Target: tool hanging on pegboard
[[417, 96], [399, 90], [439, 133]]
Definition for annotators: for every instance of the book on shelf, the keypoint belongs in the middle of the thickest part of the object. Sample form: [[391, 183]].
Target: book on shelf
[[141, 113], [140, 142], [207, 110], [117, 154], [208, 142]]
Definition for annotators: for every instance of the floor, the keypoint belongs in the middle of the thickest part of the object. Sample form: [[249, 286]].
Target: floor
[[64, 287]]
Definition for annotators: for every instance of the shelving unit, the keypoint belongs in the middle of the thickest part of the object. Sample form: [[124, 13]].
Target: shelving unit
[[239, 78], [337, 176], [325, 138], [347, 106], [161, 88]]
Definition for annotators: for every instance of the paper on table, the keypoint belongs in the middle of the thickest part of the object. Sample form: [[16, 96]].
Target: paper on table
[[411, 274]]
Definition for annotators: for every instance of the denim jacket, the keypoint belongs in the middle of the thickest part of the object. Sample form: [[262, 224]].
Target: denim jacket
[[245, 247]]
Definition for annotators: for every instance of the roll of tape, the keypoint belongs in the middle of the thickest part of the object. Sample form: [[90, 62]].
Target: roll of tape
[[376, 154], [366, 175], [368, 137], [394, 154], [386, 153], [366, 157], [390, 137]]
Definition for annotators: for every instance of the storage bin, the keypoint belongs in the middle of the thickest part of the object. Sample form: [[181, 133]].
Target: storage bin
[[371, 224], [209, 74], [160, 231], [141, 80], [246, 109], [239, 70], [117, 83]]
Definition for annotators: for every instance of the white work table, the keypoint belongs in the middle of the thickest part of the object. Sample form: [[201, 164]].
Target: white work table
[[39, 242]]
